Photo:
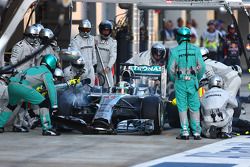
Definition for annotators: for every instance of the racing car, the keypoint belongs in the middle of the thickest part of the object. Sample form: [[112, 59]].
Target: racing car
[[135, 105]]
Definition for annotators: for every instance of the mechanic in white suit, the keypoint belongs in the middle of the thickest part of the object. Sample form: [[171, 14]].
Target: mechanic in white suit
[[85, 43], [25, 47], [108, 50], [229, 74], [45, 36], [76, 70], [155, 56], [217, 110]]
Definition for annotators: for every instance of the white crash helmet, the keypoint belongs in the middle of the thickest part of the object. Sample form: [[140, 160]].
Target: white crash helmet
[[204, 51], [158, 51], [31, 35], [31, 31], [46, 34], [39, 26], [238, 69], [85, 28], [58, 73], [216, 81]]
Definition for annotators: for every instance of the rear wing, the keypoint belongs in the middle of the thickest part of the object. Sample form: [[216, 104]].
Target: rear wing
[[150, 71], [143, 70]]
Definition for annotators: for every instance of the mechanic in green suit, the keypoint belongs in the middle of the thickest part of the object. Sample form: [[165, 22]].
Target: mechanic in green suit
[[185, 68], [22, 88]]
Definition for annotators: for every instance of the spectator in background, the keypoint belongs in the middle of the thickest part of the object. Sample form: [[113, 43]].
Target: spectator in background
[[231, 47], [220, 26], [167, 34], [194, 23], [180, 23], [194, 35], [211, 39]]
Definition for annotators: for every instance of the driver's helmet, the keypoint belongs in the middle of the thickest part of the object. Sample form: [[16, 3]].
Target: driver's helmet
[[158, 52], [123, 87], [32, 35], [127, 75], [84, 28], [183, 34], [216, 81], [104, 26]]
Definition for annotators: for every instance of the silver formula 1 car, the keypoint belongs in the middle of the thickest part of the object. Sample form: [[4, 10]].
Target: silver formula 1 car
[[135, 105]]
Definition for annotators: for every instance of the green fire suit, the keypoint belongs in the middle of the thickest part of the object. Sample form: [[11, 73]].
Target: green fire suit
[[22, 88], [186, 68]]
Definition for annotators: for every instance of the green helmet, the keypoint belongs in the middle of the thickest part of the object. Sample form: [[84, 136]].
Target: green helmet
[[50, 61], [183, 34]]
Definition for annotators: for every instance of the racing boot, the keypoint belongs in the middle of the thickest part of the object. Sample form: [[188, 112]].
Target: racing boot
[[213, 132], [20, 129], [182, 137], [197, 137], [184, 126], [224, 135], [50, 132]]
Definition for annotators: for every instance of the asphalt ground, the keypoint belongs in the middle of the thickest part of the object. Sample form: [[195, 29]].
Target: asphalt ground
[[78, 150]]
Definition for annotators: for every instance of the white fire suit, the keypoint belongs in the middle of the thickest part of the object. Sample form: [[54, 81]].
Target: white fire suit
[[217, 109], [19, 52], [231, 78], [87, 48], [108, 51]]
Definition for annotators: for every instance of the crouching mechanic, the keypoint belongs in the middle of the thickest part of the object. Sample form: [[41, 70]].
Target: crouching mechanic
[[185, 68], [75, 72], [229, 74], [217, 110], [22, 88]]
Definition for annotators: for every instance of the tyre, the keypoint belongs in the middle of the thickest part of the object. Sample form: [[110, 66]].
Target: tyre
[[172, 113], [152, 108]]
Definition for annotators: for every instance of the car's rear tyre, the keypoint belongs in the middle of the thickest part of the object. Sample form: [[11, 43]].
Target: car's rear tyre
[[152, 108], [172, 113]]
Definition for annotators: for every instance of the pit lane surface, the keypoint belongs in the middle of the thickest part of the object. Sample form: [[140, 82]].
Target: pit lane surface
[[74, 149]]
